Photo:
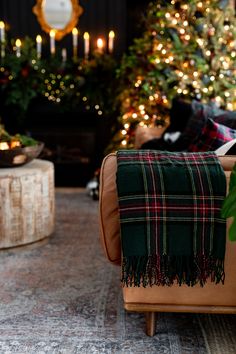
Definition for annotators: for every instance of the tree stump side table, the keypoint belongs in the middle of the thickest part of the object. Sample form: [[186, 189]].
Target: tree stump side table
[[27, 203]]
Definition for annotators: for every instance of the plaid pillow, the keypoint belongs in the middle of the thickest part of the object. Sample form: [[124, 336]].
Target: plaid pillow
[[204, 131], [212, 136]]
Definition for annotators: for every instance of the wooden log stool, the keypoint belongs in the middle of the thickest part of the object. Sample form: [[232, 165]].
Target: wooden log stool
[[27, 203]]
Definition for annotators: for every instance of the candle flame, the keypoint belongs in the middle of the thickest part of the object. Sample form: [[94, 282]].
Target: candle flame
[[2, 24], [39, 39], [100, 43], [15, 143], [75, 31], [52, 33], [111, 34], [86, 35], [4, 146], [18, 43]]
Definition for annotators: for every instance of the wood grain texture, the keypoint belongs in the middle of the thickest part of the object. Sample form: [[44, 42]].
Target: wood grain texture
[[27, 203]]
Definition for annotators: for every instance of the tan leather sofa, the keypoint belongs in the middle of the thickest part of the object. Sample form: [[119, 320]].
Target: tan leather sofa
[[209, 299]]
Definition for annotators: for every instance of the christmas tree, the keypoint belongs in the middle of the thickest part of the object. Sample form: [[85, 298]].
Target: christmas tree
[[188, 49]]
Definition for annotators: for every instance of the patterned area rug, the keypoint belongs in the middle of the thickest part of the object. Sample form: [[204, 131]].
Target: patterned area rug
[[63, 297]]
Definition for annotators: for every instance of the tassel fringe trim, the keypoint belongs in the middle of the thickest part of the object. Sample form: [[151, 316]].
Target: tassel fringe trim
[[166, 270]]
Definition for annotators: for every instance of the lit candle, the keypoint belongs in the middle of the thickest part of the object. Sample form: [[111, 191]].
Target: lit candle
[[2, 38], [4, 146], [100, 45], [18, 48], [111, 41], [2, 31], [39, 46], [86, 44], [75, 41], [52, 42], [64, 55]]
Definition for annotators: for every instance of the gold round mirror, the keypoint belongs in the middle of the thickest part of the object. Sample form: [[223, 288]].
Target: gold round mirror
[[59, 15]]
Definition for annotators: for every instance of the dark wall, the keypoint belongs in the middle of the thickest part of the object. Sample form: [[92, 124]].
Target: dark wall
[[98, 18]]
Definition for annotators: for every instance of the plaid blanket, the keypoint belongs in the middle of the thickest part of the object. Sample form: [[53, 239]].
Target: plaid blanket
[[171, 228]]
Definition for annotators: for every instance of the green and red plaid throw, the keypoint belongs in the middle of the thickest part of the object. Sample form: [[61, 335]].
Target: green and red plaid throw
[[171, 228]]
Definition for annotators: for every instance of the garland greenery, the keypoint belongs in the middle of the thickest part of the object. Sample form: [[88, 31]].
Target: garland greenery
[[88, 85]]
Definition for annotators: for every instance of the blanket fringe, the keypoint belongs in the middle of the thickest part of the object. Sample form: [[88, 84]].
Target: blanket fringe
[[166, 270]]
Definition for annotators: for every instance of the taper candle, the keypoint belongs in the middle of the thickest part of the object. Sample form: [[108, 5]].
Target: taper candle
[[39, 46], [64, 55], [2, 32], [75, 41], [18, 48], [2, 38], [86, 45], [100, 45], [52, 42], [111, 37]]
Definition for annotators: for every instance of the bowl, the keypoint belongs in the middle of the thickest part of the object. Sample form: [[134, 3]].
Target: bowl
[[20, 155]]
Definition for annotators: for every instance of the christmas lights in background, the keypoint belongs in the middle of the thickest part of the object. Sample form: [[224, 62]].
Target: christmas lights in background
[[188, 49]]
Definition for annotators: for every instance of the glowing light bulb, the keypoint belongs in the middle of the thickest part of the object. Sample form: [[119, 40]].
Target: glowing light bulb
[[200, 42], [230, 106], [100, 45]]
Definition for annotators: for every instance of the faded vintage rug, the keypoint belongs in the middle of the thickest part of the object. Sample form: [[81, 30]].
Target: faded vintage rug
[[63, 297]]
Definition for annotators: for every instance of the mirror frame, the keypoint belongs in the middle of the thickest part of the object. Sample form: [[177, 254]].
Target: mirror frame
[[77, 11]]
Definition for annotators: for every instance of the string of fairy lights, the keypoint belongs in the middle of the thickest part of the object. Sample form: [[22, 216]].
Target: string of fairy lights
[[56, 86], [207, 71]]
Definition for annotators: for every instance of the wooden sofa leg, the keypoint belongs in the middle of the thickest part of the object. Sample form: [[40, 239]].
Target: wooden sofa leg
[[151, 323]]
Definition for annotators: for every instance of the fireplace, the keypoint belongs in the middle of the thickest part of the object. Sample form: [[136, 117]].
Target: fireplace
[[74, 141]]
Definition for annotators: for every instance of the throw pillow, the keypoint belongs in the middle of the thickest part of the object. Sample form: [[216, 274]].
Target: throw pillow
[[211, 137]]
